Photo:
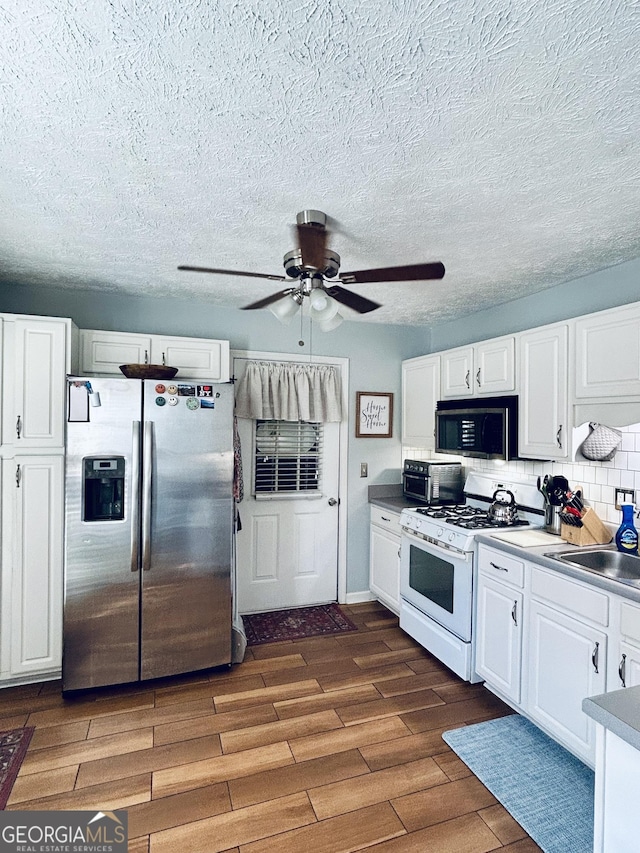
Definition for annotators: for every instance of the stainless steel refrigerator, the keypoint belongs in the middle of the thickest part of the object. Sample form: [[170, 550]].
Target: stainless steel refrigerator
[[149, 527]]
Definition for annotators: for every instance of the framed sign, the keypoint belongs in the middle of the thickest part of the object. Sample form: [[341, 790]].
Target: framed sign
[[374, 414]]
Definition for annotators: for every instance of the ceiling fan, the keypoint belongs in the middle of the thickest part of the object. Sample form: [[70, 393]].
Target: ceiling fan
[[312, 263]]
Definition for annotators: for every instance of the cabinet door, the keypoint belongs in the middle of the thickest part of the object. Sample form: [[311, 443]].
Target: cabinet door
[[566, 664], [495, 366], [457, 373], [195, 358], [543, 410], [39, 363], [420, 395], [384, 567], [33, 491], [607, 353], [499, 637], [104, 352]]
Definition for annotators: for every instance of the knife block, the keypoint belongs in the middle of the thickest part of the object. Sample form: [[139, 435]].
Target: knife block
[[592, 532]]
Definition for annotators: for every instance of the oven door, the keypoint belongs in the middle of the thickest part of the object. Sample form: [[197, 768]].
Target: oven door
[[439, 582]]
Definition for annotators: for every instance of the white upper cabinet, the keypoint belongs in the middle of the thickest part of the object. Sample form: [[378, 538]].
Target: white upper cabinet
[[543, 408], [420, 394], [607, 353], [37, 356], [457, 373], [104, 352], [494, 367], [486, 368], [195, 358]]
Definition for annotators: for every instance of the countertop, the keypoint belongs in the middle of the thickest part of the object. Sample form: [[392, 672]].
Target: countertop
[[537, 554], [390, 497], [619, 712]]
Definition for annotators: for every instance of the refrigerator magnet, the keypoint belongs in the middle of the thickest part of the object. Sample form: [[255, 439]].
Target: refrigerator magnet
[[160, 401], [206, 403], [193, 403]]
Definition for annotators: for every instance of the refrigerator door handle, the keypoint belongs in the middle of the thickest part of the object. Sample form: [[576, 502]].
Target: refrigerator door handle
[[135, 497], [147, 470]]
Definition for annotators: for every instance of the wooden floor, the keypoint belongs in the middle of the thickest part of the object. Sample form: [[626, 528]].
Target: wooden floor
[[320, 746]]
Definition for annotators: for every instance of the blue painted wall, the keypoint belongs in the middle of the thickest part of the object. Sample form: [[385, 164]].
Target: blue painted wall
[[614, 286]]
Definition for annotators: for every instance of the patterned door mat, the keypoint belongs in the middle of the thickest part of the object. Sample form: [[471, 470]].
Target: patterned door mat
[[295, 624], [13, 748]]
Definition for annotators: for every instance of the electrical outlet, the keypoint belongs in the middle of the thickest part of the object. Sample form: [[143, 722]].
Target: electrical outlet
[[364, 469], [624, 496]]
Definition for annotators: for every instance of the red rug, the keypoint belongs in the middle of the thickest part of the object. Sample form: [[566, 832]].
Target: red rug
[[13, 748], [296, 624]]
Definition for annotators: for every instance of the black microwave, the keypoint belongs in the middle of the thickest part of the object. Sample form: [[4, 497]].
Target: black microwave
[[485, 428]]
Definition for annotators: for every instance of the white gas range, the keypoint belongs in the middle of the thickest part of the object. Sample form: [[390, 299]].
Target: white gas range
[[438, 565]]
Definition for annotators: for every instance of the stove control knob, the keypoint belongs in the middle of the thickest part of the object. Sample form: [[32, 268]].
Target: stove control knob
[[452, 536], [440, 531]]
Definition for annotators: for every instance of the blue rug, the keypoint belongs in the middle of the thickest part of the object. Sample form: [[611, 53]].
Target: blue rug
[[544, 787]]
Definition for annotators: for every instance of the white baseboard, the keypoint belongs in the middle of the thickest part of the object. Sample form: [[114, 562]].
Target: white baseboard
[[359, 597]]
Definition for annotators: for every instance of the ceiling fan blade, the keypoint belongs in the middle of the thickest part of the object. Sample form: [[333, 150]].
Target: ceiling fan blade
[[234, 272], [268, 300], [413, 272], [313, 242], [352, 300]]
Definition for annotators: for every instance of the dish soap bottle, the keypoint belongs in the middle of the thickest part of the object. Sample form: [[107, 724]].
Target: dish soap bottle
[[627, 535]]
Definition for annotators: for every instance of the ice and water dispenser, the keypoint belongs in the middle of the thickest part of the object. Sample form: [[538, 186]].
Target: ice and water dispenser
[[103, 488]]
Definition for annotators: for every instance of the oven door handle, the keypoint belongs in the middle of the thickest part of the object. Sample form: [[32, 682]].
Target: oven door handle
[[449, 553]]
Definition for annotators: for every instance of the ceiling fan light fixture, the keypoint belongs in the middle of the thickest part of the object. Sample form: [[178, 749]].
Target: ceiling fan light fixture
[[323, 308], [286, 309], [330, 324]]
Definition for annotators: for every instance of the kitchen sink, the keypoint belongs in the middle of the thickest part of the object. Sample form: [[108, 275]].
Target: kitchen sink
[[606, 562]]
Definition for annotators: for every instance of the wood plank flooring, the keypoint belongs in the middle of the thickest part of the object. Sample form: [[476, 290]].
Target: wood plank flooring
[[330, 744]]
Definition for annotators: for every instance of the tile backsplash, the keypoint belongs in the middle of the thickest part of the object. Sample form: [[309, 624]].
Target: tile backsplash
[[598, 479]]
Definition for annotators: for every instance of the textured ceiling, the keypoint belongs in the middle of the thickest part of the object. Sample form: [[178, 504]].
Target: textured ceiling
[[498, 137]]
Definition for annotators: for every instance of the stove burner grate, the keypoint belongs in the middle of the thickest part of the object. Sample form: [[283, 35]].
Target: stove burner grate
[[467, 517]]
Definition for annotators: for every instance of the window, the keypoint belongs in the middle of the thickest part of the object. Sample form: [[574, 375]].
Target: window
[[287, 457]]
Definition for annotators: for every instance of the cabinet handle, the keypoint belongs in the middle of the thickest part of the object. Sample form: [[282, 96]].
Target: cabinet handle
[[18, 476], [621, 670], [594, 657], [399, 552], [466, 379], [19, 427], [478, 377], [163, 359], [146, 356], [559, 436], [499, 568], [384, 518], [514, 611]]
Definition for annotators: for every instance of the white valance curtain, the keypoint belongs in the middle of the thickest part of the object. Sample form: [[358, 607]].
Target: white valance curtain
[[289, 392]]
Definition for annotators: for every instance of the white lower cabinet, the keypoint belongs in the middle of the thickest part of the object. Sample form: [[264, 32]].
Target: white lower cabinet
[[541, 644], [625, 665], [499, 636], [566, 663], [32, 557], [384, 557]]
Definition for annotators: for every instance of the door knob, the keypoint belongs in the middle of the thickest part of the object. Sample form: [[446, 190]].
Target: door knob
[[332, 501]]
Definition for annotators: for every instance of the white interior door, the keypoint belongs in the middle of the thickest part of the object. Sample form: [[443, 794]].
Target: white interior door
[[287, 549]]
